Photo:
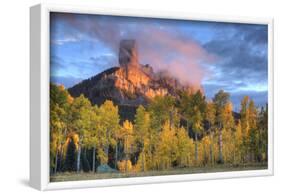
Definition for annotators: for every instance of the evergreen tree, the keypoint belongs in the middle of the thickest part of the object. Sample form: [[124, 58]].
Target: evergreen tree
[[193, 107], [263, 133], [253, 131]]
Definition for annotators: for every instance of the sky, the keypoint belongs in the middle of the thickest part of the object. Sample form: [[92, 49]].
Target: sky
[[214, 55]]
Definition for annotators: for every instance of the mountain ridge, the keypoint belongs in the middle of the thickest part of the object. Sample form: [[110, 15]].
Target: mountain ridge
[[130, 84]]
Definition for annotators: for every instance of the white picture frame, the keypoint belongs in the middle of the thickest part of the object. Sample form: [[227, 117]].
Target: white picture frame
[[39, 101]]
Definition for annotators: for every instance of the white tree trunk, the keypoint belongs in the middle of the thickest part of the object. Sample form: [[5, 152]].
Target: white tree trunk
[[78, 158], [106, 150]]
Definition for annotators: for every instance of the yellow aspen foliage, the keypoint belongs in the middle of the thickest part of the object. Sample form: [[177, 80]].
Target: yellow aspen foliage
[[228, 146], [185, 148], [75, 138], [61, 87], [210, 115], [70, 99], [127, 132], [215, 146], [237, 158], [102, 156], [53, 148], [71, 137], [244, 112], [253, 114], [166, 147], [142, 163], [82, 134], [204, 151], [228, 120], [124, 166]]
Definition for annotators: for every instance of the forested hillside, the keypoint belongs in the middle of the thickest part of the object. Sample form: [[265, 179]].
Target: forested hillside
[[167, 133]]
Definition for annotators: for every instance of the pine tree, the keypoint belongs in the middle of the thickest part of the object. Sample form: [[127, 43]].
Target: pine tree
[[263, 133]]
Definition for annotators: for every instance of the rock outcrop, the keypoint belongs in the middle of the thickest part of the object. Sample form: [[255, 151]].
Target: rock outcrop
[[128, 54], [128, 85]]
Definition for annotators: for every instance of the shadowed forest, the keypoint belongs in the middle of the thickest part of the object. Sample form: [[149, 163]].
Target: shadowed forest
[[168, 135]]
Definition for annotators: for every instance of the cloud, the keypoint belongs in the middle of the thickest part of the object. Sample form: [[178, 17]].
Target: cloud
[[243, 49], [65, 40], [242, 68], [225, 56], [159, 44]]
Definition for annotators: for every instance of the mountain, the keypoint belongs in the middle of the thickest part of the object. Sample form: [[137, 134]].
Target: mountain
[[128, 85]]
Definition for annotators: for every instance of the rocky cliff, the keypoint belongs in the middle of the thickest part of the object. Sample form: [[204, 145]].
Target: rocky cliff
[[128, 85]]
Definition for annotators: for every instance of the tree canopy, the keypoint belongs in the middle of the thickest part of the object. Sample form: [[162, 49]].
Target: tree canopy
[[167, 133]]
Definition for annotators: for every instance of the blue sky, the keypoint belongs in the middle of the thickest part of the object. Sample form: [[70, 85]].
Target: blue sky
[[227, 56]]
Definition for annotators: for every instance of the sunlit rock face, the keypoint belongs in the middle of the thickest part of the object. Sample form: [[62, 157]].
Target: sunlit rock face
[[130, 75], [130, 84]]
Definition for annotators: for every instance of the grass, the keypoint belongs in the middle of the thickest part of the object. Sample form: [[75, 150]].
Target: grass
[[72, 176]]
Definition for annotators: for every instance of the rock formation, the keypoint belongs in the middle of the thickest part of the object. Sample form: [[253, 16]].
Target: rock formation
[[128, 54], [128, 85]]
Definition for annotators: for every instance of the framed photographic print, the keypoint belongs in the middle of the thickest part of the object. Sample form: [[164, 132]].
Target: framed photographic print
[[132, 97]]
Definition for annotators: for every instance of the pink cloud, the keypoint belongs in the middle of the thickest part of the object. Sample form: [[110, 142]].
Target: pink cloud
[[164, 49]]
